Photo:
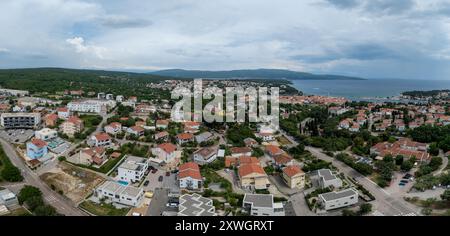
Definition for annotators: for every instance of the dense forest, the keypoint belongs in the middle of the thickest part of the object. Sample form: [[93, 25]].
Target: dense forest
[[53, 80]]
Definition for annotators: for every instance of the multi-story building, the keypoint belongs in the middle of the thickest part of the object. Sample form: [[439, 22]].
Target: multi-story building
[[334, 200], [327, 179], [85, 106], [294, 177], [20, 120], [37, 149], [72, 126], [189, 176], [46, 134], [165, 152], [117, 193], [63, 113], [132, 169], [113, 128], [100, 140], [205, 155], [262, 205]]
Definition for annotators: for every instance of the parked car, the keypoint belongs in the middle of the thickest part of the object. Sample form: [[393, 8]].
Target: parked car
[[160, 179], [154, 171], [167, 173], [146, 183]]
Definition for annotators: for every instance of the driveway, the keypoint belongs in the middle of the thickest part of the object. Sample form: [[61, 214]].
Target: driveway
[[385, 202], [158, 202], [298, 203]]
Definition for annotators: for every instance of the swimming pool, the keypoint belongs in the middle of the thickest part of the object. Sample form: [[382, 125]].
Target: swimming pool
[[124, 183]]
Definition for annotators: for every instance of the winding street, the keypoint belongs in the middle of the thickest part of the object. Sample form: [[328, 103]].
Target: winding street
[[385, 203], [62, 205]]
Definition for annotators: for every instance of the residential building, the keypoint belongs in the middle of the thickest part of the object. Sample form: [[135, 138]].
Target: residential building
[[91, 156], [113, 128], [72, 126], [132, 169], [85, 107], [334, 200], [328, 179], [262, 205], [205, 155], [249, 142], [8, 198], [63, 113], [165, 152], [253, 176], [189, 176], [46, 134], [283, 160], [100, 140], [164, 135], [273, 150], [37, 149], [51, 120], [405, 147], [195, 205], [117, 193], [185, 138], [20, 120], [162, 124], [294, 177], [204, 137], [241, 151], [136, 130]]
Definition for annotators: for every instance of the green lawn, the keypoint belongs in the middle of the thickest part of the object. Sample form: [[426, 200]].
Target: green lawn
[[103, 209]]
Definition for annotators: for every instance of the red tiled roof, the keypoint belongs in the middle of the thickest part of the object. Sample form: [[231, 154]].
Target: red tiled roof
[[185, 136], [137, 128], [51, 117], [102, 136], [248, 160], [167, 147], [273, 150], [62, 109], [39, 143], [282, 159], [75, 120], [189, 169], [238, 150], [230, 161], [162, 122], [245, 170], [292, 170]]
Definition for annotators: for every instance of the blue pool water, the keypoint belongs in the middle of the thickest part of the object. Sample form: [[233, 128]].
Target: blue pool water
[[124, 183]]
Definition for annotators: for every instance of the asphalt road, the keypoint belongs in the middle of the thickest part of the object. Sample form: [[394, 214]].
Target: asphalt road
[[385, 203], [62, 205]]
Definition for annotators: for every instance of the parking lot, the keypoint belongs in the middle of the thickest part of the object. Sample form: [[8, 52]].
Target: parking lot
[[17, 135], [169, 182]]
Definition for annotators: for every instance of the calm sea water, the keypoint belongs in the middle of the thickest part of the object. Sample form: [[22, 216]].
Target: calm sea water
[[367, 89]]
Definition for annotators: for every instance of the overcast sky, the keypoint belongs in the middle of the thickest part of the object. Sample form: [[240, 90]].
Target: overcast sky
[[367, 38]]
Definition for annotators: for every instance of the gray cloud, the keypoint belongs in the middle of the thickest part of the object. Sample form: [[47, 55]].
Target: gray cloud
[[344, 3], [367, 38]]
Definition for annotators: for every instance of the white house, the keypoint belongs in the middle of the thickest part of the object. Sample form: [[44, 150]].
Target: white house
[[262, 205], [46, 134], [132, 169], [100, 140], [327, 179], [63, 113], [117, 193], [205, 155], [113, 128], [334, 200], [189, 176], [165, 152]]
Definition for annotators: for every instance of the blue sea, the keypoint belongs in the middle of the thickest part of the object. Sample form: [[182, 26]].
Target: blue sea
[[372, 89]]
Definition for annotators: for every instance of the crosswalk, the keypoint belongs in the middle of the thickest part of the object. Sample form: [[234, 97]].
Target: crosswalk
[[50, 199], [407, 214]]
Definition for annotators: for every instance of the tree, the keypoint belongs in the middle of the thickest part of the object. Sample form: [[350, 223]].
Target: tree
[[45, 210], [399, 160], [365, 208], [407, 165], [11, 173], [446, 195], [28, 192], [34, 202], [433, 149]]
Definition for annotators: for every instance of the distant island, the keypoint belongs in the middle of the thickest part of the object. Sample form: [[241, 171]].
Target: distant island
[[425, 94], [253, 74]]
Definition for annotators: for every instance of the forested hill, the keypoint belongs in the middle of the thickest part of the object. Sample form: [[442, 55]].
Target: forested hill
[[258, 73], [58, 79]]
